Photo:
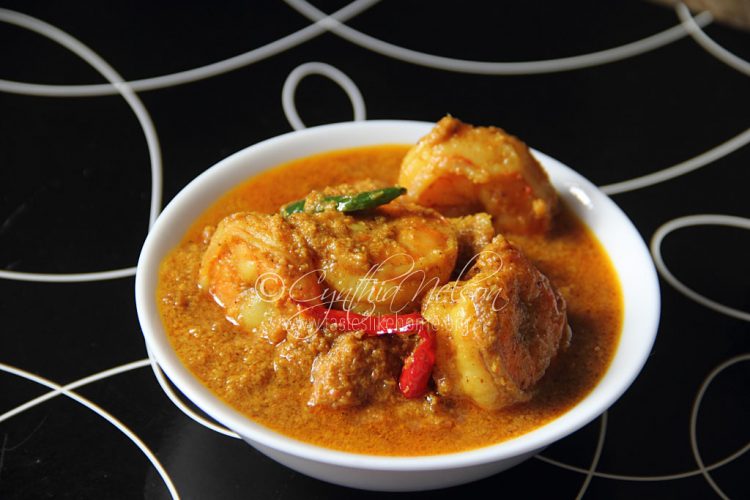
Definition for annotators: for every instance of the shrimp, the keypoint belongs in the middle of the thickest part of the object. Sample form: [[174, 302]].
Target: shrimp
[[381, 261], [258, 269], [498, 331], [459, 169]]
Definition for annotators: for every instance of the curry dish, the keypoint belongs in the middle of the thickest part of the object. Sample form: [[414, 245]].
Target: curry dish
[[396, 300]]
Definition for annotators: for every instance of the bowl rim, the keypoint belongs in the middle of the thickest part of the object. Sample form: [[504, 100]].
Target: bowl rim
[[586, 200]]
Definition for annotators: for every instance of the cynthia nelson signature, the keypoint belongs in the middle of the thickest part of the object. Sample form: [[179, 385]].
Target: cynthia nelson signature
[[376, 291]]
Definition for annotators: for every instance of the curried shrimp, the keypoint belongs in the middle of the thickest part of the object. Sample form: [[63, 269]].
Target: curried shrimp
[[497, 331], [459, 169], [381, 261], [258, 269]]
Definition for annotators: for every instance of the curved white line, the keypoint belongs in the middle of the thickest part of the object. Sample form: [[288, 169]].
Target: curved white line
[[694, 419], [494, 68], [68, 278], [647, 479], [167, 388], [101, 66], [144, 119], [666, 174], [319, 68], [708, 44], [688, 221], [597, 456], [195, 74], [74, 385], [102, 413]]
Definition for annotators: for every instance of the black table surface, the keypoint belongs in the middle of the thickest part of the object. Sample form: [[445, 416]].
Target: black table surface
[[76, 192]]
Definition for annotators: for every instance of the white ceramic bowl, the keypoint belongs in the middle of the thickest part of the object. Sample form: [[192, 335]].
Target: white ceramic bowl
[[615, 231]]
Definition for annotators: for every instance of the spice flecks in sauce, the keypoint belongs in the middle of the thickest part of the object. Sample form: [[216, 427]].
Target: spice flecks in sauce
[[264, 381]]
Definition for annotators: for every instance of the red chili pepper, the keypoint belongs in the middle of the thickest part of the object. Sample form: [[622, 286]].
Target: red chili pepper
[[418, 366], [415, 375]]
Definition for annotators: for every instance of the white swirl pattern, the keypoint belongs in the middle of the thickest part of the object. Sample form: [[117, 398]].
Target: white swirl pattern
[[689, 221], [144, 119], [707, 43], [334, 24], [318, 68], [683, 168], [702, 468], [694, 419], [200, 73], [492, 68], [597, 456], [67, 390]]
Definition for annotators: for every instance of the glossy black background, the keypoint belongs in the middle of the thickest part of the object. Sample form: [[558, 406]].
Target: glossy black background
[[75, 193]]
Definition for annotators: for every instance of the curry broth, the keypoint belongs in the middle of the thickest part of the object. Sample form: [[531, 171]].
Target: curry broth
[[240, 370]]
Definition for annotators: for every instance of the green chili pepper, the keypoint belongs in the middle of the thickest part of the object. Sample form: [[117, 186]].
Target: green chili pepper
[[349, 203]]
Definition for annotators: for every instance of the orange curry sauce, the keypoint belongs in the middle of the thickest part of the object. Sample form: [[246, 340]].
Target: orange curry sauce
[[240, 368]]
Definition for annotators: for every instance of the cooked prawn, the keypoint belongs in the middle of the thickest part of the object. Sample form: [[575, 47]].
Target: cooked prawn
[[258, 268], [382, 261], [459, 169], [497, 331]]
